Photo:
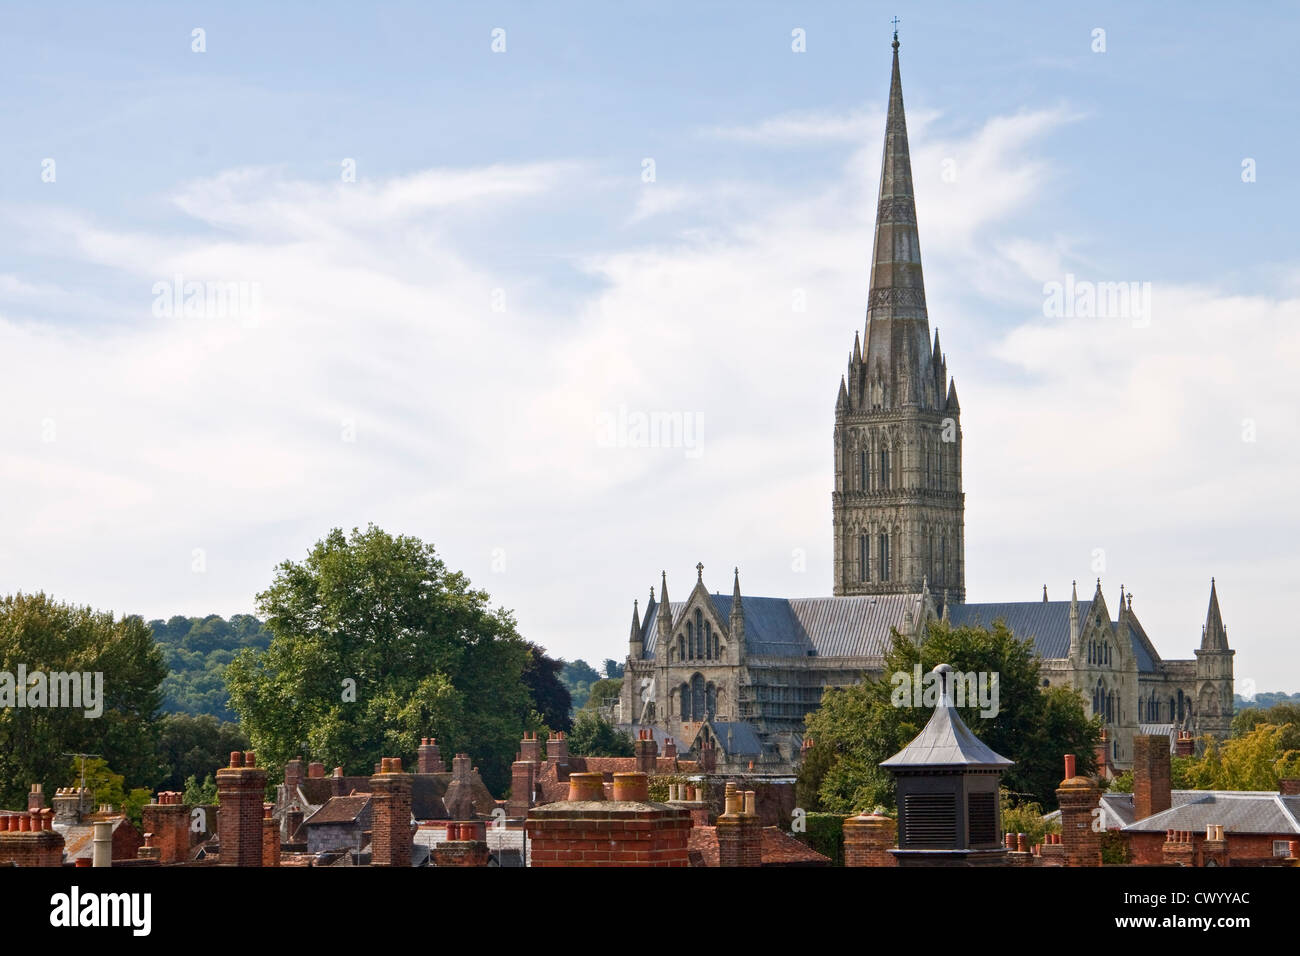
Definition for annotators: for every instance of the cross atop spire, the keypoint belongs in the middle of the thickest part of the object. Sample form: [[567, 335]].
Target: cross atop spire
[[895, 22]]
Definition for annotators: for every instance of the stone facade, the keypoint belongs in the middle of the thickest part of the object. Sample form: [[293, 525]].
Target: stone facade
[[739, 675]]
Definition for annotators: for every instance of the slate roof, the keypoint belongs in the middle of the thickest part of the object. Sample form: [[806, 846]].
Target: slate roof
[[803, 627], [1047, 624], [1245, 811], [737, 737], [946, 741], [1237, 811]]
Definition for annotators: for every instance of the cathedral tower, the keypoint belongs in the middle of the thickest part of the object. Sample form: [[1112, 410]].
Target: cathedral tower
[[897, 505]]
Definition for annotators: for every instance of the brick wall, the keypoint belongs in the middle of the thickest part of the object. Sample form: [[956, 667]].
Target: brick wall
[[241, 788], [1148, 848]]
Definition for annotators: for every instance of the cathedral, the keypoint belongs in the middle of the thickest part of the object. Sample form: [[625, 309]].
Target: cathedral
[[739, 673]]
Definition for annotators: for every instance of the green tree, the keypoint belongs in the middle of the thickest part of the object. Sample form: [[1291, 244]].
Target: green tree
[[200, 794], [48, 636], [195, 746], [375, 644], [860, 726], [108, 788], [550, 697], [593, 736], [578, 676], [602, 690]]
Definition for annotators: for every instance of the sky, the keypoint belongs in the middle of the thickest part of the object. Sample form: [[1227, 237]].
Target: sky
[[442, 259]]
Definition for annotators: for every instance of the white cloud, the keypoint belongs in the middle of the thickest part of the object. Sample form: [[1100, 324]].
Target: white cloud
[[477, 429]]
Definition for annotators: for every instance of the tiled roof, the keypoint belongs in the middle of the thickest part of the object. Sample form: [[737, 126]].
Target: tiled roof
[[339, 810], [777, 849], [805, 627]]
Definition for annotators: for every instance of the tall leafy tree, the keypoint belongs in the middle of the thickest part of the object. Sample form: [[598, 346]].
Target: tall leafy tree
[[593, 736], [376, 643], [49, 636], [195, 746], [858, 727], [550, 697]]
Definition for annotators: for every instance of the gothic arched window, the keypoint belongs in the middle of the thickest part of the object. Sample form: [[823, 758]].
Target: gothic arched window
[[698, 698], [864, 558], [885, 473], [884, 557], [863, 472]]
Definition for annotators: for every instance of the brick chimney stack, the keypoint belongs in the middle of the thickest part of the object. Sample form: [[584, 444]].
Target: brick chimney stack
[[557, 750], [627, 831], [530, 748], [1103, 756], [1178, 850], [316, 769], [428, 757], [29, 839], [270, 837], [1185, 744], [293, 774], [465, 846], [168, 819], [240, 789], [867, 839], [740, 833], [670, 748], [709, 757], [36, 798], [1289, 786], [71, 804], [1078, 798], [1151, 775], [459, 798], [647, 751], [390, 803]]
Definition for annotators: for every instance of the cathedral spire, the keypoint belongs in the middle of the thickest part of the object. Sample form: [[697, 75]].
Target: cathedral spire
[[897, 322], [1215, 636]]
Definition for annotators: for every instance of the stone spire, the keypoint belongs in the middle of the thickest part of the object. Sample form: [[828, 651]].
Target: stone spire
[[1215, 636], [898, 329], [665, 617], [635, 645], [737, 622]]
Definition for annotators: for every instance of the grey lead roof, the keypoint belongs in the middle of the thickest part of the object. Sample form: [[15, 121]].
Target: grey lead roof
[[862, 626], [736, 737], [793, 627], [1236, 811], [1046, 623]]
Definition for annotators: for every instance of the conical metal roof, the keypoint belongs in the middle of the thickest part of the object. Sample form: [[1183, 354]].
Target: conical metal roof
[[946, 741]]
